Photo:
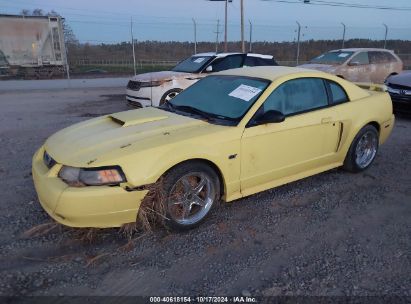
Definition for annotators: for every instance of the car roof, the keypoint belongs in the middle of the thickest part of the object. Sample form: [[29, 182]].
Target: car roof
[[221, 55], [361, 49], [268, 72]]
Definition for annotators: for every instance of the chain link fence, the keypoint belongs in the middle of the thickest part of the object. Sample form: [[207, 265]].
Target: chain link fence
[[118, 60]]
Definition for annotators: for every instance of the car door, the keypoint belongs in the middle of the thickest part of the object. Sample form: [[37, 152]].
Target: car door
[[359, 68], [306, 140]]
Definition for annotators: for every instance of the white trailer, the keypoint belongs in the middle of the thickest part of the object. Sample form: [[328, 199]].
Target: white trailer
[[32, 46]]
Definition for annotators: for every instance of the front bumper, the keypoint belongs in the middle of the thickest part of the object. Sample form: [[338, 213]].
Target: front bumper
[[401, 103], [140, 98], [98, 206]]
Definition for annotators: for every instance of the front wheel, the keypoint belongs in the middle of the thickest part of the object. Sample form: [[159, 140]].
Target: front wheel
[[192, 190], [363, 150], [170, 94]]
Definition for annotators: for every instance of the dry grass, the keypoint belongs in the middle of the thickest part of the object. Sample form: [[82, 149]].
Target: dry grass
[[152, 211], [40, 230], [86, 235], [93, 261]]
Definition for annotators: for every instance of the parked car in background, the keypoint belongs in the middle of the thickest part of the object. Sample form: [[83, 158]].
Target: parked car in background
[[153, 89], [230, 135], [358, 64], [399, 88]]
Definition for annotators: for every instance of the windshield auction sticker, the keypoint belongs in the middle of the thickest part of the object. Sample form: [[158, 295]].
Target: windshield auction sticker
[[245, 92], [343, 55], [199, 60]]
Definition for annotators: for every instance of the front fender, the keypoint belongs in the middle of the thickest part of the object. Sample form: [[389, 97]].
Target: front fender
[[146, 167]]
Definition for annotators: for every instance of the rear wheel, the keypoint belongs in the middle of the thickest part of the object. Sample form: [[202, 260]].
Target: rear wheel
[[170, 94], [192, 190], [363, 150]]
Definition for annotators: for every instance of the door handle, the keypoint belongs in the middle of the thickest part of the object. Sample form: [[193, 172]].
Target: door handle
[[326, 120]]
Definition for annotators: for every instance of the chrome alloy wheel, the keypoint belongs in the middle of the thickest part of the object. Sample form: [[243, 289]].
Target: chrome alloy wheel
[[170, 96], [366, 149], [191, 198]]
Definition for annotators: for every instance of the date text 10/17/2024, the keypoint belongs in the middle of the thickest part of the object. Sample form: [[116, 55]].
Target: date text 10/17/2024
[[201, 299]]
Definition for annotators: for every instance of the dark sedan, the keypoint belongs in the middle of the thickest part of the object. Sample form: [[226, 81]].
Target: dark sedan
[[399, 87]]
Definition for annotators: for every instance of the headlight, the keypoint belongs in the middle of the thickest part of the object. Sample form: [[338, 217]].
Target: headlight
[[155, 83], [80, 177]]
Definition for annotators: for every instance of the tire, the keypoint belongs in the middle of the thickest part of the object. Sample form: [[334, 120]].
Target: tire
[[170, 94], [192, 190], [363, 150]]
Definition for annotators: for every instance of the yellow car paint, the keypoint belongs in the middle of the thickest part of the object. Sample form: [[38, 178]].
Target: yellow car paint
[[147, 142]]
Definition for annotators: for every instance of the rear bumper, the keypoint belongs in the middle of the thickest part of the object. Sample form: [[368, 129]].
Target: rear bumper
[[99, 207]]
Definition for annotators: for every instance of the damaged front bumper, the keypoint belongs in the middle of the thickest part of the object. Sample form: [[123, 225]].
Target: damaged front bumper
[[93, 206]]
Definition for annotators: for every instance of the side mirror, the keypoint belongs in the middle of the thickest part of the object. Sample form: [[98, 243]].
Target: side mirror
[[209, 69], [271, 116]]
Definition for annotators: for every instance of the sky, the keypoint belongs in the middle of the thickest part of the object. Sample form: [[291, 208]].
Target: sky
[[107, 21]]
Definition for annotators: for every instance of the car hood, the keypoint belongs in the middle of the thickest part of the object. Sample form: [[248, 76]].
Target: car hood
[[403, 79], [328, 68], [92, 142], [158, 76]]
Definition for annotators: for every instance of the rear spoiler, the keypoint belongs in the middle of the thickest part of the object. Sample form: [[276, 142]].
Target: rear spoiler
[[372, 86]]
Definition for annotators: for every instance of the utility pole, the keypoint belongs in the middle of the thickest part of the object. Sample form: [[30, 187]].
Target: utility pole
[[242, 27], [251, 35], [386, 34], [225, 23], [298, 41], [195, 36], [225, 26], [217, 32], [132, 43], [343, 37]]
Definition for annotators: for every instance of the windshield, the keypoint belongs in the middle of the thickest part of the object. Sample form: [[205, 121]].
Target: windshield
[[220, 97], [194, 64], [335, 57]]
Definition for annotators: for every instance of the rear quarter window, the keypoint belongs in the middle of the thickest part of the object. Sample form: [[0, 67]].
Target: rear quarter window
[[381, 57], [338, 94]]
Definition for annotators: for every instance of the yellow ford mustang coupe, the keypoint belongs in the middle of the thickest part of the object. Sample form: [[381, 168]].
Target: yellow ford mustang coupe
[[230, 135]]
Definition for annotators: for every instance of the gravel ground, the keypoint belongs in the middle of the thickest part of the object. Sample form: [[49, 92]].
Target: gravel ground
[[332, 234]]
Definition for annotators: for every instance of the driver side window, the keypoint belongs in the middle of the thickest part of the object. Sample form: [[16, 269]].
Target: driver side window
[[360, 58], [297, 96], [226, 63]]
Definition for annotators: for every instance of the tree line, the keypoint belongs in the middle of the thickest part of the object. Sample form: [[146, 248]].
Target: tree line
[[174, 50]]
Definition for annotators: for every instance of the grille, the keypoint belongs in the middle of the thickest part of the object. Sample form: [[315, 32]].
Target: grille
[[48, 160], [134, 85]]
